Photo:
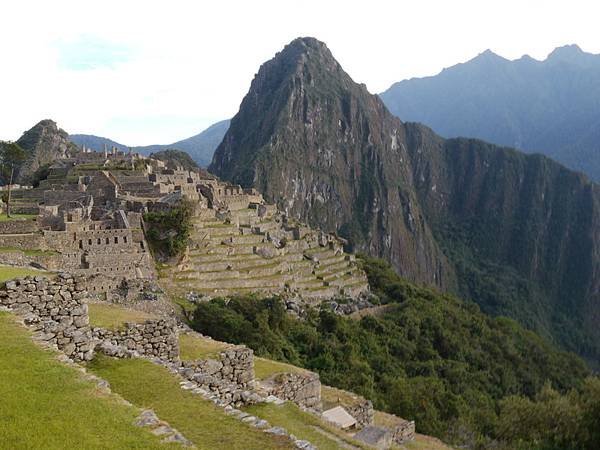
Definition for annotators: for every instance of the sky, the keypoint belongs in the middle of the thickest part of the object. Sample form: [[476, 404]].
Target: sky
[[150, 72]]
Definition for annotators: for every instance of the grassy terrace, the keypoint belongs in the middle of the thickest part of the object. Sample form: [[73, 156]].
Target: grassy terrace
[[10, 272], [17, 217], [112, 317], [28, 252], [304, 426], [150, 386], [44, 404], [193, 347], [331, 397], [264, 368]]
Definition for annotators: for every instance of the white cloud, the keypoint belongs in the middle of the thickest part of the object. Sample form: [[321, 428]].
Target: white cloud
[[157, 72]]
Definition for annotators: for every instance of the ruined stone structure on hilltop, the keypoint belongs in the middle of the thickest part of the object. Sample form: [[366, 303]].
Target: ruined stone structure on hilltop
[[90, 213]]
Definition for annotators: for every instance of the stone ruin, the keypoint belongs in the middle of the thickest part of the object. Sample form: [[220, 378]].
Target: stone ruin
[[90, 222]]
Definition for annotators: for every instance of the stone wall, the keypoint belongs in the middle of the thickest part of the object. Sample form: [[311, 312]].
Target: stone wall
[[14, 257], [24, 241], [155, 338], [403, 432], [304, 389], [362, 411], [230, 376], [56, 309], [18, 227]]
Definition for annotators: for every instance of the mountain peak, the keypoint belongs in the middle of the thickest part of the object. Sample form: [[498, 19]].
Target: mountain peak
[[488, 56], [301, 49], [566, 53]]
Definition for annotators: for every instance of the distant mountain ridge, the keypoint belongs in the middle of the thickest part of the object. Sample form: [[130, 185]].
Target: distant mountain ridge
[[200, 147], [550, 106], [519, 234]]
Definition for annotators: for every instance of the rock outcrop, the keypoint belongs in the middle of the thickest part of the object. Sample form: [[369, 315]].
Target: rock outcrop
[[329, 153], [44, 143]]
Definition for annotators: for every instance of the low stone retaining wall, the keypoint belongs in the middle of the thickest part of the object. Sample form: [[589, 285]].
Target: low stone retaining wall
[[56, 309], [404, 432], [362, 411], [156, 338], [18, 258], [18, 227], [230, 376], [24, 241], [304, 389]]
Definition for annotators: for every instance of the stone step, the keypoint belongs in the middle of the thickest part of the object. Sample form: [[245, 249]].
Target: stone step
[[200, 257], [246, 239], [307, 283], [234, 283], [322, 254], [325, 269], [318, 293], [265, 289]]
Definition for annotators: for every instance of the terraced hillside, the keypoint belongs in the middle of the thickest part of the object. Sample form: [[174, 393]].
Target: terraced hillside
[[250, 252]]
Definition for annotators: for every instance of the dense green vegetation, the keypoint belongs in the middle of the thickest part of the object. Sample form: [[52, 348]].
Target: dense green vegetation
[[168, 232], [44, 404], [429, 357], [12, 156]]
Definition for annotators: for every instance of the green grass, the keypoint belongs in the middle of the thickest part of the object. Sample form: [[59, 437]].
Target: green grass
[[112, 317], [303, 425], [10, 272], [332, 397], [151, 386], [28, 252], [16, 217], [264, 368], [47, 405], [192, 347]]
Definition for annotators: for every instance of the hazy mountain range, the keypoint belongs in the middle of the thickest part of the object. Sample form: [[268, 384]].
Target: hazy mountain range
[[551, 106], [200, 147]]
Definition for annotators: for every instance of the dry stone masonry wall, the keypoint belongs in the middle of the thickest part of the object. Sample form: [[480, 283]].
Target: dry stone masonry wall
[[156, 338], [362, 411], [304, 389], [229, 376], [56, 309]]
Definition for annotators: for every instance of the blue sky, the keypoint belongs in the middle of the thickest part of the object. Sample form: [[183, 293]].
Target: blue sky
[[89, 52], [157, 72]]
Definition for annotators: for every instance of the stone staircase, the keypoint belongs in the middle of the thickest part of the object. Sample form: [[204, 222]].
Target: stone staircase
[[243, 252]]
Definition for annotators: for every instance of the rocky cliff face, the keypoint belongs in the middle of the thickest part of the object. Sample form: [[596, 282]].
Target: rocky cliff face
[[329, 153], [517, 233], [44, 143]]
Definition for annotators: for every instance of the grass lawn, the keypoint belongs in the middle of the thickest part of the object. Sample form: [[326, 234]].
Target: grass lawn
[[303, 425], [192, 347], [423, 442], [47, 405], [112, 316], [14, 217], [150, 386], [332, 397], [10, 272], [264, 368]]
